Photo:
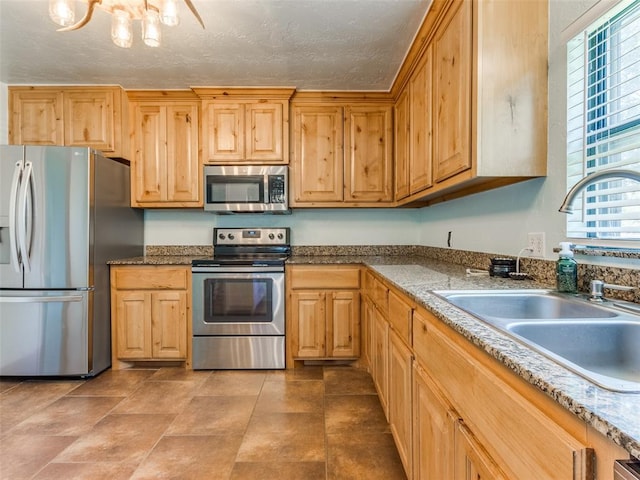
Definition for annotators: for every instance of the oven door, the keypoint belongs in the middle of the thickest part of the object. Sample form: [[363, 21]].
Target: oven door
[[238, 300]]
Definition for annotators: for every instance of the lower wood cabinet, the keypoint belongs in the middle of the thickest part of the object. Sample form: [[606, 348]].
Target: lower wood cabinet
[[400, 384], [472, 462], [457, 413], [433, 429], [500, 432], [150, 314], [380, 357], [323, 312]]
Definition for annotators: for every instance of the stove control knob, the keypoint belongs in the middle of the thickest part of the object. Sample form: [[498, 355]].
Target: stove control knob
[[231, 237], [221, 236], [271, 236], [280, 236]]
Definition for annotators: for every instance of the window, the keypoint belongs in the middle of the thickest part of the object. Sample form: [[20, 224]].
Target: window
[[603, 124]]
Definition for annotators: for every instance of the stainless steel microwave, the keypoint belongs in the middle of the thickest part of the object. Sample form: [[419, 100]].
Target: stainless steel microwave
[[246, 188]]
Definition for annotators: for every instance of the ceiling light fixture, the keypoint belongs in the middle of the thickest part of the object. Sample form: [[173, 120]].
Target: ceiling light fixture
[[151, 13]]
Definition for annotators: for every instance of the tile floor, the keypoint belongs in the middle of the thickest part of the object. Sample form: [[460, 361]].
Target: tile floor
[[168, 423]]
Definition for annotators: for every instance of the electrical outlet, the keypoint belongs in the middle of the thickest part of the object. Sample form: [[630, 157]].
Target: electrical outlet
[[536, 244]]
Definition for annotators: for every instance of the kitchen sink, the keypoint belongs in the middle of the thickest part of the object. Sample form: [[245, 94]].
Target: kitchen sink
[[599, 342], [501, 307]]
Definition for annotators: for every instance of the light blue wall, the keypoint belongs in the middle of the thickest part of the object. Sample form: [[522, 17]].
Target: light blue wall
[[308, 226]]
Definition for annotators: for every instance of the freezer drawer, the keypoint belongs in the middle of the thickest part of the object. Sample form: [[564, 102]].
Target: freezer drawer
[[44, 332]]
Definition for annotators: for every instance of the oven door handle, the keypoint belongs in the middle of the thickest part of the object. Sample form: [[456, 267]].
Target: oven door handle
[[245, 269]]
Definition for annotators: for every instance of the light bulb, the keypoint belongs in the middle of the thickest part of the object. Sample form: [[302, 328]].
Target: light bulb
[[151, 27], [121, 33], [169, 13], [62, 12]]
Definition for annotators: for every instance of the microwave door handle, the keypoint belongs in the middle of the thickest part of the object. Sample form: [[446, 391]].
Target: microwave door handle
[[25, 215], [13, 224]]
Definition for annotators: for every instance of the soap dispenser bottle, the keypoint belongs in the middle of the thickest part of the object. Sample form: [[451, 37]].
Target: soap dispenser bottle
[[566, 270]]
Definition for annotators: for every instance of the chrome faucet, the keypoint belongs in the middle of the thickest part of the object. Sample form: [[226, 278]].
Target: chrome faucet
[[597, 287], [593, 178]]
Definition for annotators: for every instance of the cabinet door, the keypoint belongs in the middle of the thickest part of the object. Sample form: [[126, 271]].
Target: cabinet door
[[308, 324], [169, 324], [318, 155], [89, 118], [421, 140], [366, 336], [343, 324], [183, 167], [472, 462], [36, 116], [380, 359], [452, 93], [150, 155], [223, 135], [368, 167], [400, 373], [402, 146], [133, 325], [264, 131], [433, 430]]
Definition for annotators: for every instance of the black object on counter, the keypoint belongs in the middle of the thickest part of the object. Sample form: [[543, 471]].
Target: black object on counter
[[502, 267]]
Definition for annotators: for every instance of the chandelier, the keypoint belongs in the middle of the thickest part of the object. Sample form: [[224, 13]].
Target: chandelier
[[151, 13]]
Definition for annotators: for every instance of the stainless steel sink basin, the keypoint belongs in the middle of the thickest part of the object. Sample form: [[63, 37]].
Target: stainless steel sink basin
[[606, 352], [599, 342], [501, 306]]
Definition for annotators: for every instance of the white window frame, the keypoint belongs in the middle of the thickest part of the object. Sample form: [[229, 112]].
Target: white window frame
[[580, 143]]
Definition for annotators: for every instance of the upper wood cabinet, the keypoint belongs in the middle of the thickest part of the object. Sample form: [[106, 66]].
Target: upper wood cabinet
[[413, 127], [476, 82], [368, 168], [92, 116], [166, 171], [341, 153], [402, 148], [318, 154], [421, 130], [452, 49], [245, 125]]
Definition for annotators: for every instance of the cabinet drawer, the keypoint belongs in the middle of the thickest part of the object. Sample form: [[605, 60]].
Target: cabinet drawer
[[330, 277], [151, 278], [400, 317], [379, 293]]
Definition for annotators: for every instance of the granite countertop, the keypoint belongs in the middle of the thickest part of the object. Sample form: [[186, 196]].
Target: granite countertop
[[613, 414]]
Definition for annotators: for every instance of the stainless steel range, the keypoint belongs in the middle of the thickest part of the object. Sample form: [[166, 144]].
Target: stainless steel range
[[238, 300]]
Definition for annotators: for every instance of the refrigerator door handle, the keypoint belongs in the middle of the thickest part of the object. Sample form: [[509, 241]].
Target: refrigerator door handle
[[56, 299], [13, 233], [25, 219]]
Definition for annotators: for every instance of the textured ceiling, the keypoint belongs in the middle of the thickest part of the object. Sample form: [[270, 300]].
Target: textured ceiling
[[308, 44]]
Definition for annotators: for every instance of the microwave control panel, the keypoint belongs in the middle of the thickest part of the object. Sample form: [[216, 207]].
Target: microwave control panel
[[277, 186]]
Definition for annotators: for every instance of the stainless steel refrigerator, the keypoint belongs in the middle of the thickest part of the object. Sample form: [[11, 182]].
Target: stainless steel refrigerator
[[64, 212]]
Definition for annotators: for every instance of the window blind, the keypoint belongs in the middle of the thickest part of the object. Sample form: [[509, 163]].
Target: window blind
[[603, 124]]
